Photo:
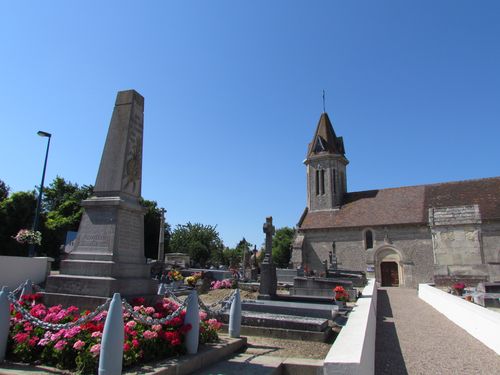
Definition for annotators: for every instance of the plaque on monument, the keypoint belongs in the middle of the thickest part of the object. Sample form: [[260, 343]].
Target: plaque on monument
[[108, 254]]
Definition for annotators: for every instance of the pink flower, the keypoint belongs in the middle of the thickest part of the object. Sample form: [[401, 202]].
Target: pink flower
[[60, 345], [215, 324], [95, 349], [137, 308], [57, 336], [203, 315], [150, 310], [72, 332], [156, 327], [126, 347], [148, 335], [72, 309], [55, 309], [78, 345], [131, 324], [96, 334], [135, 343], [43, 342]]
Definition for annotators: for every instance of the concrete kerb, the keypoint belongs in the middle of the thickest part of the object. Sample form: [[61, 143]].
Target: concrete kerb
[[478, 321], [353, 352]]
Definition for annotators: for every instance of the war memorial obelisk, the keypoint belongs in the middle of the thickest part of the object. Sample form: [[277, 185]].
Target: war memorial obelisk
[[108, 255]]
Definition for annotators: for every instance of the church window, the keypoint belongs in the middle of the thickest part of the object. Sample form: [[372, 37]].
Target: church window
[[322, 182], [368, 237], [334, 182], [317, 181]]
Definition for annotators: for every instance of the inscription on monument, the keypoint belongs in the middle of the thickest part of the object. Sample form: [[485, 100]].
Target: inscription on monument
[[133, 165]]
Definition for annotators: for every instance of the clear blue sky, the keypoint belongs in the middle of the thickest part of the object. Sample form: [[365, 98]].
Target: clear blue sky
[[233, 95]]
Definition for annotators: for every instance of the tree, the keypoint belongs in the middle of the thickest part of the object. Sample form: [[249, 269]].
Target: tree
[[233, 257], [62, 212], [62, 203], [4, 191], [16, 212], [282, 241], [197, 240]]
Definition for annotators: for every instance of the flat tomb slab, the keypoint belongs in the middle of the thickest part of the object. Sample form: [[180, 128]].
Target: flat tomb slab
[[250, 318], [311, 310]]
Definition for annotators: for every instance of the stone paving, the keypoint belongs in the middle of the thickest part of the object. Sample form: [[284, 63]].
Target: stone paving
[[413, 338]]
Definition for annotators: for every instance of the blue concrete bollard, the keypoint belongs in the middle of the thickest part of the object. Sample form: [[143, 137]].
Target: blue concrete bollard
[[4, 322], [192, 317], [111, 355], [27, 288], [235, 316], [162, 289]]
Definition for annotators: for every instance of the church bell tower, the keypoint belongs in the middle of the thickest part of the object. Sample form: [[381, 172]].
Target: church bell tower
[[326, 168]]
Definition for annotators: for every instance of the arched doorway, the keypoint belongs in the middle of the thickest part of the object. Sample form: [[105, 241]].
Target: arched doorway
[[389, 273], [387, 261]]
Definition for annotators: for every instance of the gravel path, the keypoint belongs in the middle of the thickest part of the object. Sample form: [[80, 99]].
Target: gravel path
[[413, 338]]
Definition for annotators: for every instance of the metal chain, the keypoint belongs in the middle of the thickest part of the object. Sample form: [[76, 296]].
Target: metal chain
[[53, 326], [147, 320], [225, 302], [174, 297]]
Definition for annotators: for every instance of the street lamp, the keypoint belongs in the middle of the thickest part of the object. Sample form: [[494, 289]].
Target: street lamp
[[39, 201]]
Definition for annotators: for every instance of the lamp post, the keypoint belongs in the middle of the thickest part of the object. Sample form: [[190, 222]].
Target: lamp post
[[39, 201]]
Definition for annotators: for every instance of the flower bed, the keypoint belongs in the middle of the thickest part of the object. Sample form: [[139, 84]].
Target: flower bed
[[224, 284], [78, 348]]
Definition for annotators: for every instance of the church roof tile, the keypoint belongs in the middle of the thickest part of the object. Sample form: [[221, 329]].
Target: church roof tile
[[407, 205]]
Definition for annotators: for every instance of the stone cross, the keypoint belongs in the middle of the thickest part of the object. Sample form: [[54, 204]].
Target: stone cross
[[269, 231], [333, 257], [268, 280]]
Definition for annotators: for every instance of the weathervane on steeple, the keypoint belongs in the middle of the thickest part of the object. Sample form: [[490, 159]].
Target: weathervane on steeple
[[324, 107]]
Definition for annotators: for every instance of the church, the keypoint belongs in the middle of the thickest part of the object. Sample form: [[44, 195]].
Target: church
[[403, 236]]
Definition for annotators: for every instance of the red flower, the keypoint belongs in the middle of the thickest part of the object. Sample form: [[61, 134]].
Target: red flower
[[21, 337], [135, 343], [126, 347], [138, 301], [185, 328]]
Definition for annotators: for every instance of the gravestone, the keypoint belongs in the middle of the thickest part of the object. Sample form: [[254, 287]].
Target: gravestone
[[108, 255], [254, 265], [247, 274], [268, 282], [488, 294]]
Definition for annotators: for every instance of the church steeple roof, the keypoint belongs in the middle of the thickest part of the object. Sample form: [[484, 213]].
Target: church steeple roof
[[325, 141]]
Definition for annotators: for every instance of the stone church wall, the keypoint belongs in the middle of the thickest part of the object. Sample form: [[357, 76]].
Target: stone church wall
[[412, 245], [491, 248]]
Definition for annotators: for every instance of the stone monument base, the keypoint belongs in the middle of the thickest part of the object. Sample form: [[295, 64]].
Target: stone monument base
[[268, 281], [89, 302]]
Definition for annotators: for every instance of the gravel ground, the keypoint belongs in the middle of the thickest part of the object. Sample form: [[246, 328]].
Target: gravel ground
[[270, 346], [413, 338]]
